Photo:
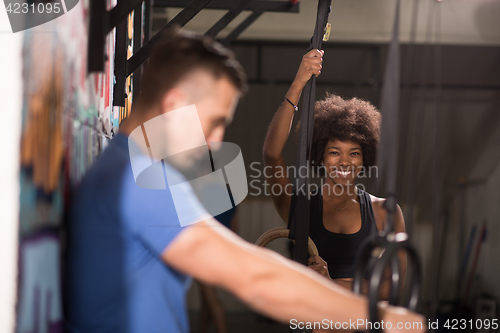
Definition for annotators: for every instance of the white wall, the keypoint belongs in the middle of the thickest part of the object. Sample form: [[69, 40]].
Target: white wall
[[10, 97]]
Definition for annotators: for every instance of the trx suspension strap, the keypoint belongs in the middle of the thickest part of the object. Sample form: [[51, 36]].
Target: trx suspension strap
[[380, 251], [389, 107], [298, 217]]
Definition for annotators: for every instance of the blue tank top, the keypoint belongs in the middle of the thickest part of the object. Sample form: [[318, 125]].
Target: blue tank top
[[339, 250]]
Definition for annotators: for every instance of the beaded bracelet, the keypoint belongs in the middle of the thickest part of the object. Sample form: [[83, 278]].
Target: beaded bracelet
[[295, 107]]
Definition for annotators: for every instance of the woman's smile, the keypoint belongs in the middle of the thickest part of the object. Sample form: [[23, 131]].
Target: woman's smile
[[343, 159], [343, 174]]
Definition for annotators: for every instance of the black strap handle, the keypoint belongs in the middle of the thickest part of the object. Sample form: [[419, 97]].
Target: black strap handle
[[298, 217]]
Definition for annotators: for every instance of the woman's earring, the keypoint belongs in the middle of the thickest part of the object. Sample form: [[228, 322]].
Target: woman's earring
[[322, 163]]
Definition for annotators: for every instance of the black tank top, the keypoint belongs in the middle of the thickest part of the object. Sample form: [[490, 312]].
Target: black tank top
[[339, 250]]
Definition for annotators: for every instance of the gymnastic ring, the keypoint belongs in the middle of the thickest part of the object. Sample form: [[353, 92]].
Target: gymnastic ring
[[376, 266], [365, 266], [364, 260], [378, 271], [282, 232]]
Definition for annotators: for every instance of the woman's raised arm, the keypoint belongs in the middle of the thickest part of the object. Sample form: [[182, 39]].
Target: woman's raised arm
[[278, 132]]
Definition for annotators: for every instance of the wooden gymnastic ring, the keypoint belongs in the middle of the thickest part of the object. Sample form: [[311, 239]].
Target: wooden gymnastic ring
[[282, 232]]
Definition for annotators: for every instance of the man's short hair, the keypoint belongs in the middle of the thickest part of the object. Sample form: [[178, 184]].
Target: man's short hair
[[182, 54]]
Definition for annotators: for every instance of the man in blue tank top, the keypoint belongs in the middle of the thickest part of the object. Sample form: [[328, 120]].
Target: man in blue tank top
[[131, 249]]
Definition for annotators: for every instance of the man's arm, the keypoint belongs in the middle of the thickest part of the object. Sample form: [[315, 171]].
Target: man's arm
[[266, 281]]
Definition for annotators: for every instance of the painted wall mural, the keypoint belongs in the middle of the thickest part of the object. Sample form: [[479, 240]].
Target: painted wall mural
[[68, 118]]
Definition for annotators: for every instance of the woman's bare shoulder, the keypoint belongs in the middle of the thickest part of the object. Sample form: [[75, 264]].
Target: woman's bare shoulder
[[377, 203], [381, 213]]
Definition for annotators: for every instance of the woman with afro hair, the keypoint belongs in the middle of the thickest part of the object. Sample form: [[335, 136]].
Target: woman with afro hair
[[344, 146]]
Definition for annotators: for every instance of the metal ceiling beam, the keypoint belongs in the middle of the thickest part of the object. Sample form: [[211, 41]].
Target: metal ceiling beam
[[240, 28], [186, 15], [266, 6], [103, 21], [227, 18]]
